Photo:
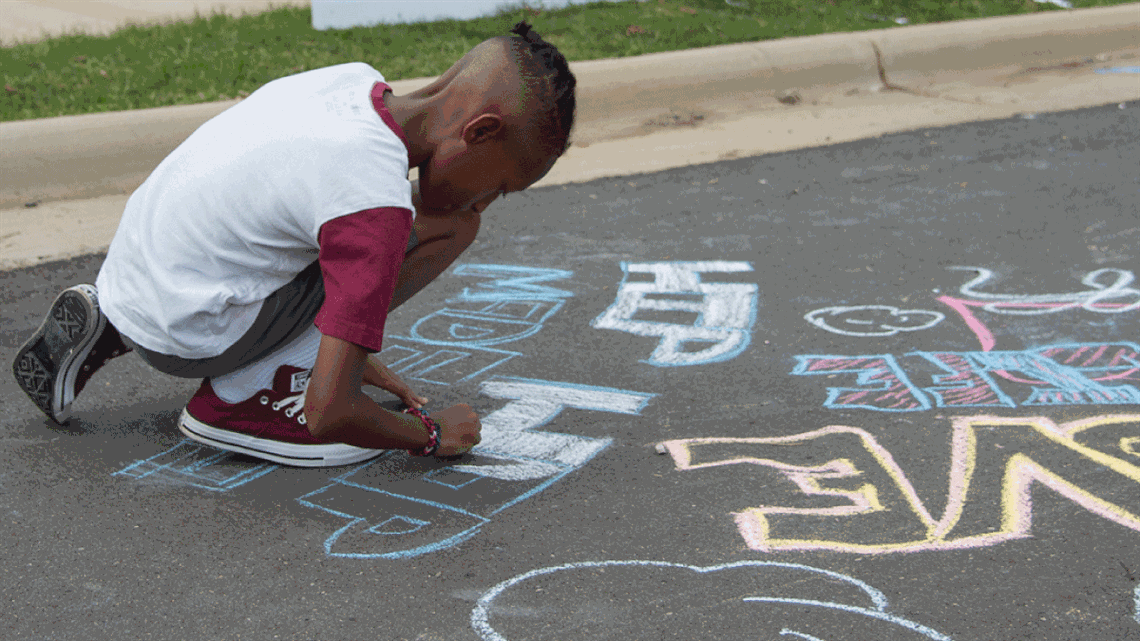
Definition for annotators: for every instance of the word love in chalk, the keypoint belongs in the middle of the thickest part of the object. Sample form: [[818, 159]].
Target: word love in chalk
[[873, 508], [1054, 375], [723, 313]]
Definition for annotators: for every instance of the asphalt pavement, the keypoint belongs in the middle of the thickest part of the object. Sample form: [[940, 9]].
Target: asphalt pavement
[[887, 389]]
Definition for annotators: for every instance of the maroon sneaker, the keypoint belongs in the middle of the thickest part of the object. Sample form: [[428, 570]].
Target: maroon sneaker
[[72, 343], [270, 425]]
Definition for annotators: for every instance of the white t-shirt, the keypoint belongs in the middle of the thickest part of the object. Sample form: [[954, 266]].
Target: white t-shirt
[[234, 212]]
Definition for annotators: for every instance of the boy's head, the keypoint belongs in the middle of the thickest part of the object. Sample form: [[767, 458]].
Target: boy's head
[[504, 116]]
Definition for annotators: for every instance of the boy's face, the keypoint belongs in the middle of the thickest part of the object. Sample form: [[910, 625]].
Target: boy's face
[[469, 172]]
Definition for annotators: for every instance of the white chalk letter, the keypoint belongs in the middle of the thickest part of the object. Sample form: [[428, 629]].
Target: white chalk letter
[[725, 312]]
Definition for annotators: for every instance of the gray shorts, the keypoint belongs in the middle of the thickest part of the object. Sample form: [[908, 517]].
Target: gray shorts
[[285, 315]]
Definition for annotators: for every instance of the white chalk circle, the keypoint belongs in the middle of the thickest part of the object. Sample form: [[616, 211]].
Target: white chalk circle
[[872, 320], [635, 600]]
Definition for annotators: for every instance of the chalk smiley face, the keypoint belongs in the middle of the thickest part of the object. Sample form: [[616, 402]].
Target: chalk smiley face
[[872, 320], [634, 600]]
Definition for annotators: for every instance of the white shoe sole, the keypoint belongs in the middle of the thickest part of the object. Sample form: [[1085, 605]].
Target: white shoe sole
[[47, 365], [324, 455]]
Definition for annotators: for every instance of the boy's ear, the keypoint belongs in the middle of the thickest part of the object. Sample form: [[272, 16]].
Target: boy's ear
[[482, 128]]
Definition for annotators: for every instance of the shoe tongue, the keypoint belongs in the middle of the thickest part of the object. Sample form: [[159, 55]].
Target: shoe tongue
[[291, 380]]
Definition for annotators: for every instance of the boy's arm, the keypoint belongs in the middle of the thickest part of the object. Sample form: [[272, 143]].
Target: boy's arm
[[360, 266], [442, 238], [336, 410], [377, 374]]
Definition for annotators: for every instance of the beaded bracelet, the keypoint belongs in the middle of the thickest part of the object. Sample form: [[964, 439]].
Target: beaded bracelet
[[433, 433]]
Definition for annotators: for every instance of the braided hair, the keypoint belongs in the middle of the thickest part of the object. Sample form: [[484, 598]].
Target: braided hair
[[541, 63]]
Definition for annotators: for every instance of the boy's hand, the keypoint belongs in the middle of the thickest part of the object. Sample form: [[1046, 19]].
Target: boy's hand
[[459, 430], [377, 375]]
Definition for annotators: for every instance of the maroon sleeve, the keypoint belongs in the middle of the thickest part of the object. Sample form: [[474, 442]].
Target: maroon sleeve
[[360, 260]]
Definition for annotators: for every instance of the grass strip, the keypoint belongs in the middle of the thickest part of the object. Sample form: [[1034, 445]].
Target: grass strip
[[218, 57]]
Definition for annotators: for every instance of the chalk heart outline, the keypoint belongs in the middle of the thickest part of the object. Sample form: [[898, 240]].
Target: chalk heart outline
[[821, 319], [481, 613]]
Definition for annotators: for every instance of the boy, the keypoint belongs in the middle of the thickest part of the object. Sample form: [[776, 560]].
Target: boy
[[264, 254]]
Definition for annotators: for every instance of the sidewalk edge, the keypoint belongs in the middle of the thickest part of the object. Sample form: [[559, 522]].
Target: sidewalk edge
[[92, 155]]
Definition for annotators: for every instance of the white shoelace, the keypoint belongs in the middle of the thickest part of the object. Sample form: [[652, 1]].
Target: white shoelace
[[296, 405]]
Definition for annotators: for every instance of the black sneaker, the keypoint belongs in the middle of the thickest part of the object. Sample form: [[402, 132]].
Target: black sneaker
[[73, 341]]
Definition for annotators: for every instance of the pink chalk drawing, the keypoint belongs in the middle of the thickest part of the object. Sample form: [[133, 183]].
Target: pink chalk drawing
[[861, 501], [881, 383], [1056, 375], [1116, 297]]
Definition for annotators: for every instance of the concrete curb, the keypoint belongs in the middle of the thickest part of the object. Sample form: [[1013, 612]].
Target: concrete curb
[[93, 155]]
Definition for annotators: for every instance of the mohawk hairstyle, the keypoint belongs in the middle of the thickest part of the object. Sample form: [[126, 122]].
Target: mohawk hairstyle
[[542, 62]]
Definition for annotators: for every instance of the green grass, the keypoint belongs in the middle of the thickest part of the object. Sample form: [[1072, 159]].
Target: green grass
[[219, 57]]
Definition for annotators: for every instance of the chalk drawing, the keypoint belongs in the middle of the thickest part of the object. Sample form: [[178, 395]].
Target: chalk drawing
[[875, 508], [191, 463], [985, 336], [1109, 293], [1099, 363], [657, 581], [398, 506], [874, 614], [725, 312], [446, 347], [872, 320], [882, 383], [801, 635], [1056, 375], [512, 283], [1136, 603], [1096, 299], [457, 343], [1131, 445]]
